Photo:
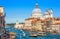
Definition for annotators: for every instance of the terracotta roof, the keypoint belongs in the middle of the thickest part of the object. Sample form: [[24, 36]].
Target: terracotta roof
[[58, 23], [42, 20], [57, 18], [30, 18]]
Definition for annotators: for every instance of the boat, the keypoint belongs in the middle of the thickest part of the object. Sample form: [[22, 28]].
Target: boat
[[33, 34], [24, 34], [41, 33]]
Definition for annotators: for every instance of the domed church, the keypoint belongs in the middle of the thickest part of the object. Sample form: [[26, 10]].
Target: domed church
[[36, 19], [36, 13]]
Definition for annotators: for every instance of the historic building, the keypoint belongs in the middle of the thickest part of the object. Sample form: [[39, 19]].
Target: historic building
[[3, 32], [55, 27], [43, 23], [40, 22], [18, 25], [37, 19], [48, 14]]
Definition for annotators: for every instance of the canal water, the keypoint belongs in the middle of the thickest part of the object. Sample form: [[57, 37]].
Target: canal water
[[20, 35]]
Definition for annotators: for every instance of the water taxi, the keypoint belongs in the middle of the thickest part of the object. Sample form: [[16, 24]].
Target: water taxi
[[33, 34], [41, 34]]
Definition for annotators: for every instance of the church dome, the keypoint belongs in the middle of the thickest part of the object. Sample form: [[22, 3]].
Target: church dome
[[36, 13], [36, 10]]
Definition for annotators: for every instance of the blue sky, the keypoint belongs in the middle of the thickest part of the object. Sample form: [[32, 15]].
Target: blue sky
[[22, 9]]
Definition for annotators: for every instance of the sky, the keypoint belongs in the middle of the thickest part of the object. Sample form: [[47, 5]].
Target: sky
[[22, 9]]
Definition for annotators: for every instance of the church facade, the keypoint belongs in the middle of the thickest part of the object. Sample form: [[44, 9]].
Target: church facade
[[41, 22]]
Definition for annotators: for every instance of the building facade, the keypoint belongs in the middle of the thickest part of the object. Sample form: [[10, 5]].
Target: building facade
[[55, 27], [18, 25], [39, 22], [3, 33], [37, 19]]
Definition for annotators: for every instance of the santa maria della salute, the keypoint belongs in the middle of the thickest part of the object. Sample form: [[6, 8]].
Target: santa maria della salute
[[36, 13], [40, 22]]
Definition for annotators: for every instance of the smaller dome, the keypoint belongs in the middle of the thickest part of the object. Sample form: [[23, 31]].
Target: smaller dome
[[46, 13]]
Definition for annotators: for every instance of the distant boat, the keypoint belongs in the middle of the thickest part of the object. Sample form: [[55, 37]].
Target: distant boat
[[24, 33], [33, 34], [41, 33]]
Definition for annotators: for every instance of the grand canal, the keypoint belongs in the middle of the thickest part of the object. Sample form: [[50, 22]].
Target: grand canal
[[20, 35]]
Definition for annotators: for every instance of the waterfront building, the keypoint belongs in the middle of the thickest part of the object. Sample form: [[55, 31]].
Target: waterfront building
[[3, 33], [28, 23], [37, 19], [18, 25], [38, 22], [33, 23], [55, 27], [33, 20]]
